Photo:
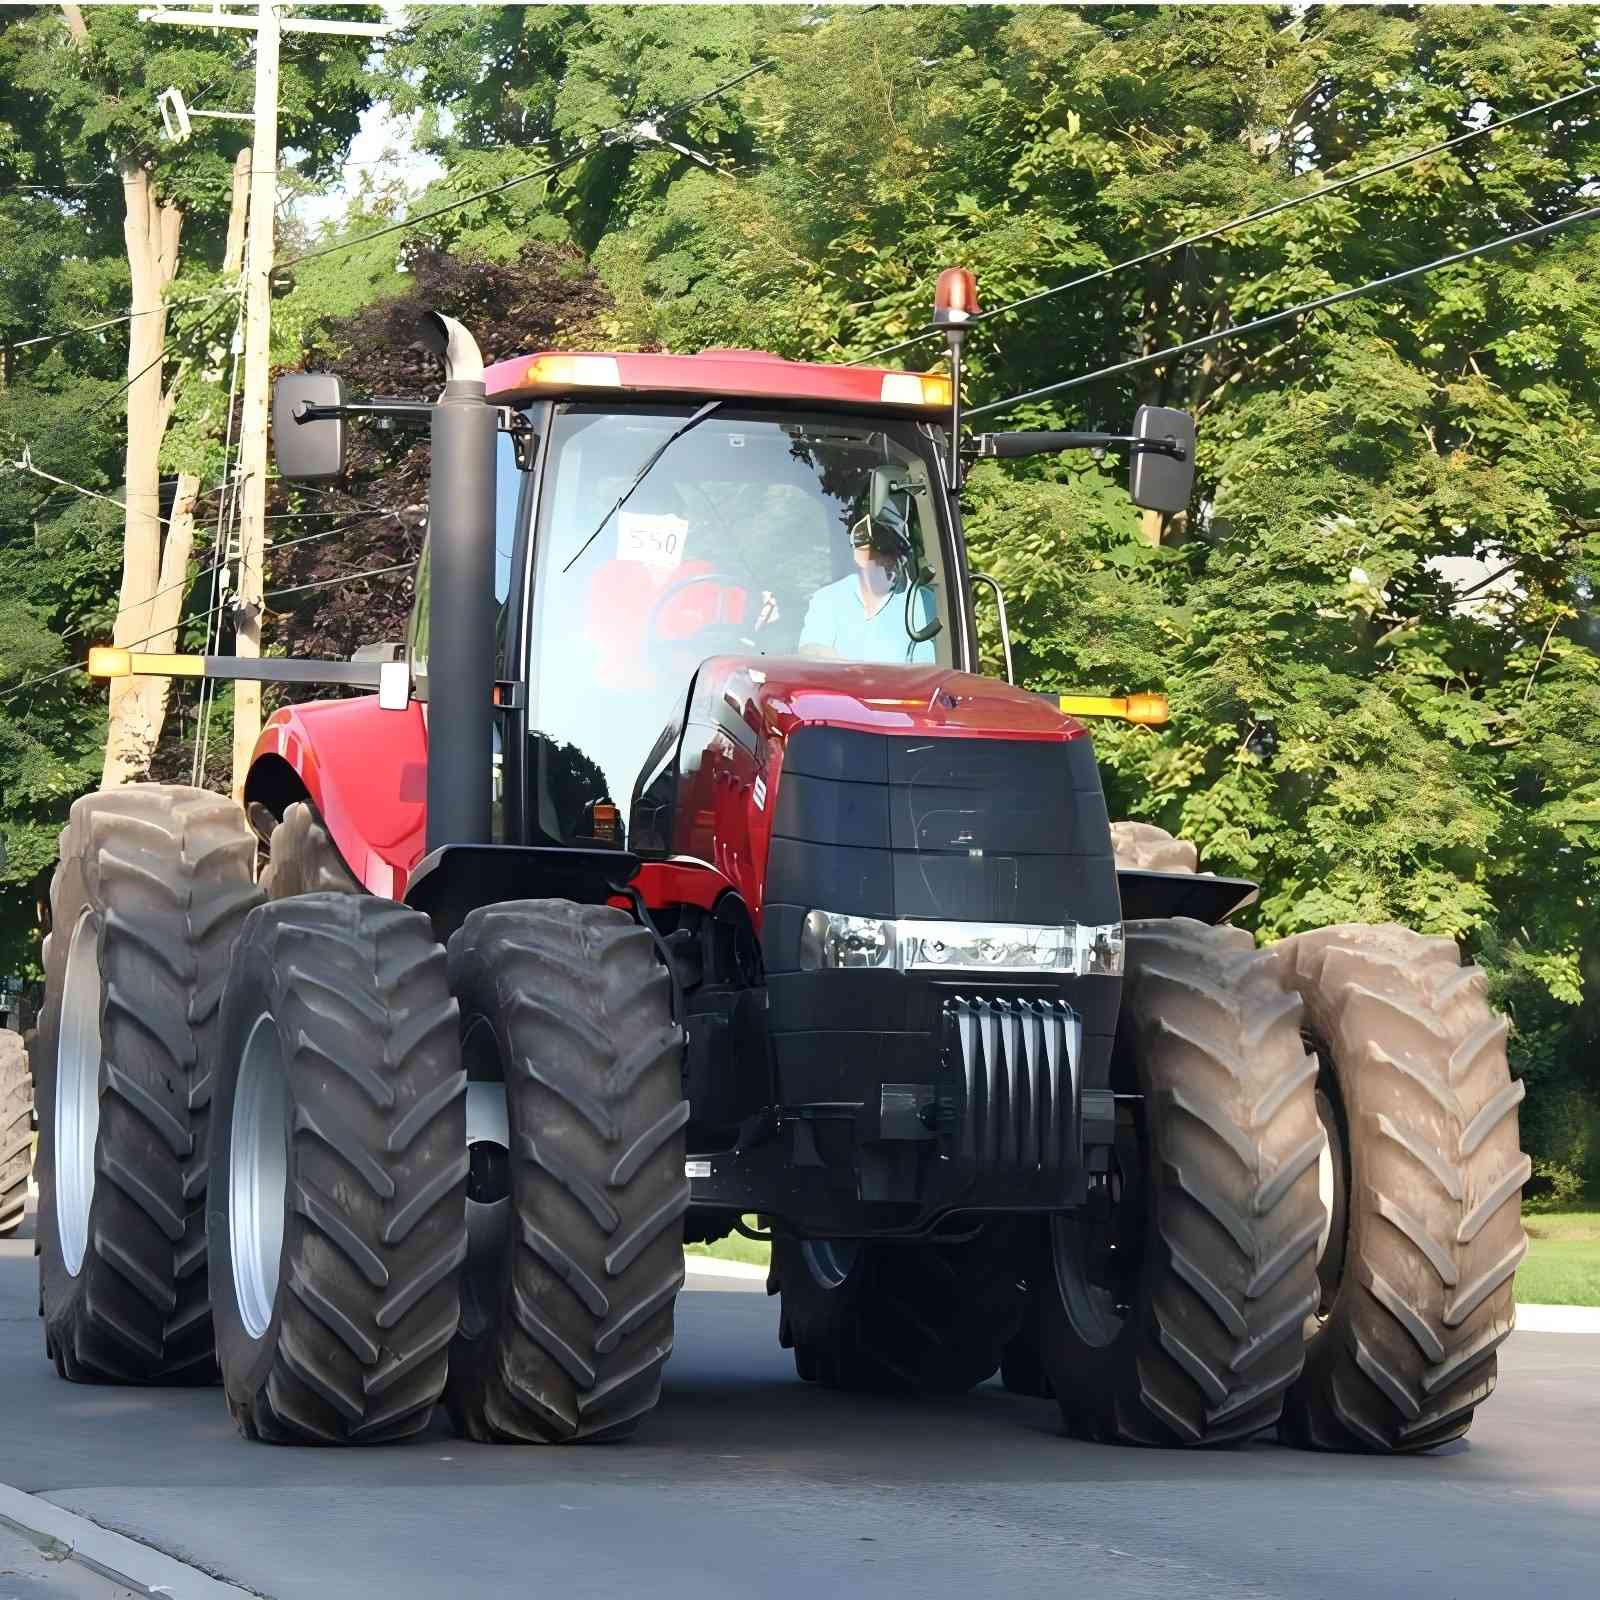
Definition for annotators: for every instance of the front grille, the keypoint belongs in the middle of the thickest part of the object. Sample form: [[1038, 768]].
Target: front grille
[[1019, 1064]]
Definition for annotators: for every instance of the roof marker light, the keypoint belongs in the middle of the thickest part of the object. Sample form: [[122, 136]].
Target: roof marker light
[[915, 389], [955, 298], [590, 372]]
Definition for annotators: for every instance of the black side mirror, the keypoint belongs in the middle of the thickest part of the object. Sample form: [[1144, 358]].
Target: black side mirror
[[889, 488], [1160, 481], [309, 451]]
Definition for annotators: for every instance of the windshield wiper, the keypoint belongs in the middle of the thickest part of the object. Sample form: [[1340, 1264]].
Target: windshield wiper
[[644, 472]]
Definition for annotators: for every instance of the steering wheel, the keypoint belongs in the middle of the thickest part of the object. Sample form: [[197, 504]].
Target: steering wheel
[[679, 586]]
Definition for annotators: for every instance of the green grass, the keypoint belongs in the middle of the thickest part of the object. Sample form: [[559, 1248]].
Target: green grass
[[1562, 1267], [734, 1248], [1563, 1263]]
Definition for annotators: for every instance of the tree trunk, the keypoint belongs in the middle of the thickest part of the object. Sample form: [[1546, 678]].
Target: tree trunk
[[152, 228], [153, 569]]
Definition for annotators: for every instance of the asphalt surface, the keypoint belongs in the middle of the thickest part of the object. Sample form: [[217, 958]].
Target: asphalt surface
[[749, 1483]]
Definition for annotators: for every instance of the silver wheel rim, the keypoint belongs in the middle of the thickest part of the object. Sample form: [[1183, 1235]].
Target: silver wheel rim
[[258, 1173], [488, 1221], [1325, 1182], [1090, 1309], [77, 1128], [830, 1260]]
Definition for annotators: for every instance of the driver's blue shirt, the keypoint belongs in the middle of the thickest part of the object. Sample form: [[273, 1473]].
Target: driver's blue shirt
[[837, 620]]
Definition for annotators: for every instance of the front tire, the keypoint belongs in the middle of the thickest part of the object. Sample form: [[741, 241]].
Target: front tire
[[898, 1318], [1178, 1319], [337, 1211], [1417, 1272], [154, 883], [16, 1130], [565, 1333]]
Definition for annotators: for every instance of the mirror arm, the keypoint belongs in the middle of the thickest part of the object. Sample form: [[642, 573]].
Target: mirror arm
[[417, 410], [1014, 446]]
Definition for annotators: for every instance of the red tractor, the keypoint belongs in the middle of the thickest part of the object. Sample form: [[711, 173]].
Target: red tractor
[[684, 867]]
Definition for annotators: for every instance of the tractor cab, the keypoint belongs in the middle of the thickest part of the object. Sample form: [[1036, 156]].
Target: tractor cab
[[710, 506]]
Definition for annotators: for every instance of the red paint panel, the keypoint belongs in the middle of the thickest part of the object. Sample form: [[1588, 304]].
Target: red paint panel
[[749, 374], [366, 771], [776, 694], [680, 883], [743, 712]]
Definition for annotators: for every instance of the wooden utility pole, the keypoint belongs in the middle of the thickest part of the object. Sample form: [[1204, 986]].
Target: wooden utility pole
[[268, 26], [259, 247]]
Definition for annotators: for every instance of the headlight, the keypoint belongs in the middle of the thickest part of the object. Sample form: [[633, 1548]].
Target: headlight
[[913, 944]]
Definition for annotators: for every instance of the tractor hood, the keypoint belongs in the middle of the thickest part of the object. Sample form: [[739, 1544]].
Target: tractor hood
[[869, 770], [773, 695]]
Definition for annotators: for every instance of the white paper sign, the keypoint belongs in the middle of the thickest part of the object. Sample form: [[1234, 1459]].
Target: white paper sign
[[657, 541]]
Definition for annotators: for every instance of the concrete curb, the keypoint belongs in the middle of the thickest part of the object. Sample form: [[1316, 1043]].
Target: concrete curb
[[714, 1267], [1558, 1319], [135, 1566]]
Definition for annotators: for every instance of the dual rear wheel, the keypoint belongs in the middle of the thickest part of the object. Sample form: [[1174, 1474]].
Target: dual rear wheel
[[1311, 1218], [351, 1295]]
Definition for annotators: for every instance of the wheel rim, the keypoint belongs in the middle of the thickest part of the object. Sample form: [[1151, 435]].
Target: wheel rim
[[1093, 1308], [258, 1172], [488, 1197], [77, 1121], [1333, 1186], [1098, 1261], [831, 1261]]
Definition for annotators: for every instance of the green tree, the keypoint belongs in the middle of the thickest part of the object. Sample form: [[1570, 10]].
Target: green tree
[[1366, 731]]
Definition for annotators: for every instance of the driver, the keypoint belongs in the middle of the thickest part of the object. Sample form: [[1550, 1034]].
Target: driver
[[862, 616]]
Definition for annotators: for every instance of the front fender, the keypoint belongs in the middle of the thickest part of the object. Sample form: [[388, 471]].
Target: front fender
[[364, 769]]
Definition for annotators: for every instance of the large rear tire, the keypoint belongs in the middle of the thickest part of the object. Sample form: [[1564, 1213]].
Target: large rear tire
[[16, 1130], [1178, 1318], [566, 1328], [337, 1214], [898, 1318], [152, 888], [1417, 1272]]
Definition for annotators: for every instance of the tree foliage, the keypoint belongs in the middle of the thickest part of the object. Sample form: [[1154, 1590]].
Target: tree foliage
[[1376, 623]]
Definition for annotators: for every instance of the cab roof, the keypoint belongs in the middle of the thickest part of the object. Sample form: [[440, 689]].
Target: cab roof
[[713, 374]]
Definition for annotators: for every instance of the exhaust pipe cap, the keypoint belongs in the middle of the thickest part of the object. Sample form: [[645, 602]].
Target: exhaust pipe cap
[[445, 337]]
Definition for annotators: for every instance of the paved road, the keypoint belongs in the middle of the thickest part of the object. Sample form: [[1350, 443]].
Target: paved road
[[748, 1483]]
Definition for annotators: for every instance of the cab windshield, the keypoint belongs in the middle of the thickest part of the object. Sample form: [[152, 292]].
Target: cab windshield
[[753, 534]]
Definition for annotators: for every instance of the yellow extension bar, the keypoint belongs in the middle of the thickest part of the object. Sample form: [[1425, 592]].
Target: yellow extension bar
[[1150, 710]]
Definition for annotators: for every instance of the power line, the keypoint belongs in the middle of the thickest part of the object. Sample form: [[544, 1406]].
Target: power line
[[1292, 311], [26, 465], [271, 594], [585, 147], [1237, 222], [343, 577], [71, 666], [113, 322]]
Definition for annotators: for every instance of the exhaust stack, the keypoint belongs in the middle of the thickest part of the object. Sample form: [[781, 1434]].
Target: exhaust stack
[[461, 619]]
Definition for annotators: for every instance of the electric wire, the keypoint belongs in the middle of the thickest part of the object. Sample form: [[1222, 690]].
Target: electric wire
[[584, 148], [1237, 222], [1586, 215]]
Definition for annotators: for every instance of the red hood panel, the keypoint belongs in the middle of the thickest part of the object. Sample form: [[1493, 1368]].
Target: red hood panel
[[775, 694]]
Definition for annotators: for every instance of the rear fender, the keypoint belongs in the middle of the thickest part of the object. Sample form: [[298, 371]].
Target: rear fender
[[364, 769]]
